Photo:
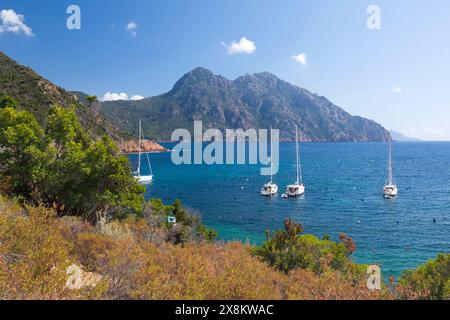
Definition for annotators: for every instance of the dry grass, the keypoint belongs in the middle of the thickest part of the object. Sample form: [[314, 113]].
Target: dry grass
[[36, 249]]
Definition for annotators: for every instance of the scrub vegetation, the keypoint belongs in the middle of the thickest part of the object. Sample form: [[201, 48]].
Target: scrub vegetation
[[74, 225]]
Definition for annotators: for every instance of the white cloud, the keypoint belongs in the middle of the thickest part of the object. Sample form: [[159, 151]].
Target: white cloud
[[302, 58], [397, 89], [112, 96], [136, 98], [132, 28], [10, 21], [243, 46]]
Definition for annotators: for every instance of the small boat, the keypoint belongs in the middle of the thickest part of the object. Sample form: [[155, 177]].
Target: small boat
[[143, 179], [298, 188], [390, 189], [270, 188]]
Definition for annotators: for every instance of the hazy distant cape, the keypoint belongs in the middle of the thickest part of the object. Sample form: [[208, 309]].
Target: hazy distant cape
[[252, 101], [400, 137]]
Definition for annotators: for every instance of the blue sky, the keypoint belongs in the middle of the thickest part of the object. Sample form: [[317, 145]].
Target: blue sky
[[398, 75]]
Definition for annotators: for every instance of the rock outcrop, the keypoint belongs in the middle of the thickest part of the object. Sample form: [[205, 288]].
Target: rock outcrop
[[146, 146]]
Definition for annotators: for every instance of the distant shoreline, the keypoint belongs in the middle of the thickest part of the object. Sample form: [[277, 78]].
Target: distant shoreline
[[293, 141]]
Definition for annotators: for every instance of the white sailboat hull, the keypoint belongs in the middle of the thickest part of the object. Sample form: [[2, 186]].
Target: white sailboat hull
[[390, 191], [295, 190], [144, 179], [269, 189]]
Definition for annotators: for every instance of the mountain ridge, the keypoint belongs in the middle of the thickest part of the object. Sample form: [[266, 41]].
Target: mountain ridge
[[260, 100], [36, 94]]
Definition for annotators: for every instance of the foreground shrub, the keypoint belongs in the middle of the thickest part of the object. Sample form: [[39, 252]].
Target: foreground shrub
[[186, 228], [430, 281], [60, 166], [330, 285], [36, 249], [288, 249], [35, 255]]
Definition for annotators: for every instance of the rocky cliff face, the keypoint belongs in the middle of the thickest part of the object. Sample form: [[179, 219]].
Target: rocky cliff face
[[252, 101]]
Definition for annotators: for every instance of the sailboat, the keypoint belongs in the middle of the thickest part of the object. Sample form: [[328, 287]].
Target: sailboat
[[270, 188], [390, 189], [139, 177], [298, 188]]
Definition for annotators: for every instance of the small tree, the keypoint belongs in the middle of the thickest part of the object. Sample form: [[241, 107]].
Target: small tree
[[91, 100], [7, 102], [429, 281], [62, 167], [289, 249]]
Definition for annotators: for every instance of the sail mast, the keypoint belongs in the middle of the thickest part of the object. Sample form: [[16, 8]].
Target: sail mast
[[140, 135], [390, 175], [299, 172], [271, 158]]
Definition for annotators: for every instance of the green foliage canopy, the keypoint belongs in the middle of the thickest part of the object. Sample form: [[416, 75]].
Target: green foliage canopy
[[60, 166], [289, 249], [431, 280]]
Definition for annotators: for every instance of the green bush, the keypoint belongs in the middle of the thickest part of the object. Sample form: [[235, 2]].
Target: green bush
[[60, 166], [188, 226], [288, 249], [429, 281]]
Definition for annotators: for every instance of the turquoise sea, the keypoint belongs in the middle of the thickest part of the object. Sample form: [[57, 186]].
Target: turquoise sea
[[344, 184]]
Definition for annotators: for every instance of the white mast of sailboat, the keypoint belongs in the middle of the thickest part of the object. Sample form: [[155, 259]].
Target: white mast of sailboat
[[139, 147], [299, 172], [390, 169], [298, 188], [390, 190], [271, 158], [141, 178]]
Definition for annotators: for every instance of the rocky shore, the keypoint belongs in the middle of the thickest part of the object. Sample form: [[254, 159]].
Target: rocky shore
[[146, 146]]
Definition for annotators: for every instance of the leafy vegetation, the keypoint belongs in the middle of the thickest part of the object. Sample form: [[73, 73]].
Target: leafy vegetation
[[130, 262], [131, 259], [289, 249], [429, 281], [186, 227], [60, 166]]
